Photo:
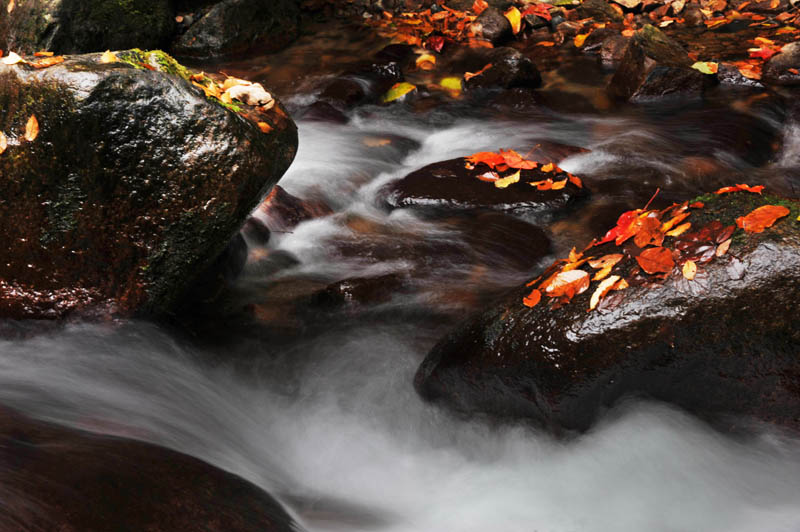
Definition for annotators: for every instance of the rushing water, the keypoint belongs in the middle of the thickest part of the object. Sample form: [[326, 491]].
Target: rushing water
[[318, 408]]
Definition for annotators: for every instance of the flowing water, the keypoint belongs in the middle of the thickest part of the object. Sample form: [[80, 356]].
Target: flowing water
[[317, 406]]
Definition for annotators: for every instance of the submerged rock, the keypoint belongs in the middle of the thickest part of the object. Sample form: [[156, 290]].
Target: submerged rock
[[283, 211], [449, 185], [135, 183], [236, 26], [80, 26], [720, 345], [655, 66], [509, 69], [55, 478]]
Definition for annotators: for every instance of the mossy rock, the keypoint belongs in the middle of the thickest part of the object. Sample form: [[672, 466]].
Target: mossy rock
[[79, 26], [724, 345], [135, 183]]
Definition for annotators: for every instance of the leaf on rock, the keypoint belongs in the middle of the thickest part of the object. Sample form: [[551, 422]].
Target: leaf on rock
[[32, 129], [532, 299], [510, 180], [397, 91], [3, 142], [489, 158], [580, 39], [108, 57], [740, 188], [706, 67], [689, 269], [11, 59], [45, 62], [263, 126], [568, 284], [479, 6], [678, 231], [575, 180], [656, 260], [515, 18], [540, 10], [11, 6], [451, 84], [623, 224], [601, 291], [549, 167], [761, 218], [558, 185], [606, 260], [489, 177], [515, 160], [648, 231], [668, 225]]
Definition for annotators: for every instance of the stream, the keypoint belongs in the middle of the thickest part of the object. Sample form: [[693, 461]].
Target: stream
[[316, 404]]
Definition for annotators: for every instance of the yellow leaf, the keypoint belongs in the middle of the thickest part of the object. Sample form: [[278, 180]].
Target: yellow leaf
[[504, 182], [32, 129], [689, 269], [3, 142], [108, 57], [10, 7], [549, 167], [397, 91], [580, 39], [11, 59], [558, 185], [515, 18], [706, 67], [426, 61], [678, 231], [604, 288], [452, 84]]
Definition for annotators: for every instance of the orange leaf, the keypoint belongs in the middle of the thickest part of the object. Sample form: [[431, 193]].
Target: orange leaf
[[648, 231], [43, 53], [545, 43], [32, 129], [489, 158], [723, 248], [697, 205], [666, 226], [601, 291], [656, 260], [469, 75], [547, 184], [479, 6], [574, 256], [568, 284], [761, 218], [575, 180], [689, 269], [515, 160], [606, 260], [10, 7], [532, 299], [47, 62], [263, 126], [558, 185], [3, 142], [602, 274], [738, 188], [580, 39], [549, 167], [678, 231]]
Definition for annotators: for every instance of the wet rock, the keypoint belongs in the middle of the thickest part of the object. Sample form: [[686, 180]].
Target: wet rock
[[713, 345], [693, 16], [255, 232], [360, 292], [56, 478], [134, 185], [236, 26], [599, 10], [73, 26], [730, 75], [783, 68], [504, 242], [282, 211], [492, 26], [654, 66], [262, 262], [448, 185], [509, 69], [612, 50], [323, 112], [343, 93]]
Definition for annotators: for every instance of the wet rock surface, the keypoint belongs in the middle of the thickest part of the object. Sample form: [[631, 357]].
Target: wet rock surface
[[282, 211], [509, 69], [713, 345], [135, 183], [55, 478], [784, 68], [448, 185]]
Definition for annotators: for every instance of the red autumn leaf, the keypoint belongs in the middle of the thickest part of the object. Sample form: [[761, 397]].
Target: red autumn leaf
[[540, 10], [741, 187], [532, 299], [435, 43], [761, 218], [764, 52], [469, 75], [515, 160], [479, 6], [656, 260], [489, 158], [575, 180], [648, 231], [623, 223]]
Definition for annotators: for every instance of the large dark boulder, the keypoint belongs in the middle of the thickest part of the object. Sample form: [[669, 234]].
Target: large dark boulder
[[236, 26], [509, 69], [655, 66], [80, 26], [450, 186], [135, 183], [54, 478], [724, 345]]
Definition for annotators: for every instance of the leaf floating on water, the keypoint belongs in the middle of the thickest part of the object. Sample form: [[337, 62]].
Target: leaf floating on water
[[580, 39], [761, 218], [740, 188], [452, 84], [510, 180], [108, 57], [603, 288], [3, 142], [706, 67], [656, 260], [397, 91], [568, 284], [426, 62], [532, 299], [689, 269], [515, 18], [32, 129], [469, 75], [11, 59]]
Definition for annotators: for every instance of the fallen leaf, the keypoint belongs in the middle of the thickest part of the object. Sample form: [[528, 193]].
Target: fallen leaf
[[108, 57], [47, 61], [374, 142], [678, 231], [623, 224], [452, 84], [575, 180], [689, 269], [263, 126], [489, 177], [606, 260], [723, 248], [426, 62], [668, 225], [469, 75], [602, 274], [764, 52], [601, 291], [3, 142], [43, 53], [515, 160], [547, 184], [515, 18], [504, 182], [397, 91], [656, 260], [761, 218], [558, 185], [580, 39], [32, 129], [706, 67], [549, 167], [648, 231], [479, 6], [545, 43], [697, 205], [489, 158], [740, 188], [532, 299], [10, 7], [11, 59], [540, 10], [568, 284]]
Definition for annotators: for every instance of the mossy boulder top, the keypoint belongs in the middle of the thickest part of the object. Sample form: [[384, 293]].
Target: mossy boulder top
[[135, 182], [723, 345]]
